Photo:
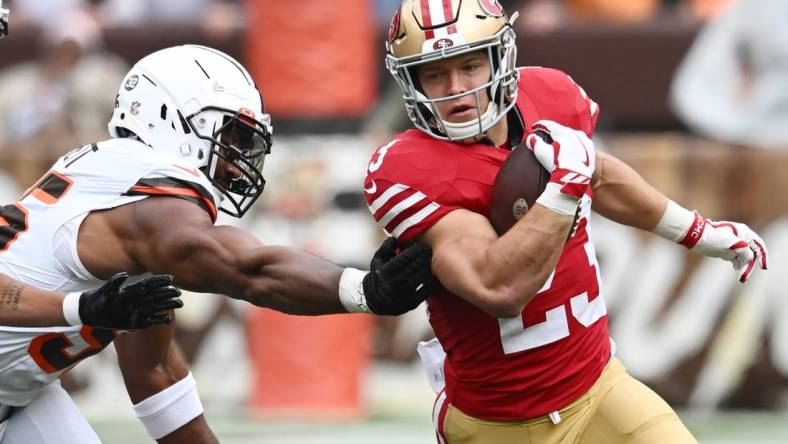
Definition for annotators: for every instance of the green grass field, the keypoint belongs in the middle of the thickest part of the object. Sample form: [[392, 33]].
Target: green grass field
[[399, 401], [717, 428]]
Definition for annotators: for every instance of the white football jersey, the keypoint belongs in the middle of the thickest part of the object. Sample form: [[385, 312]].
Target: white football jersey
[[38, 246]]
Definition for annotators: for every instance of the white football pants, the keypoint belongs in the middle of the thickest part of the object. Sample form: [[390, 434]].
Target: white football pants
[[51, 418]]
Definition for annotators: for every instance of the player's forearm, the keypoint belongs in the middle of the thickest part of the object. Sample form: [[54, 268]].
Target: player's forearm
[[295, 282], [149, 361], [623, 196], [153, 368], [25, 306], [522, 259], [498, 275], [229, 261]]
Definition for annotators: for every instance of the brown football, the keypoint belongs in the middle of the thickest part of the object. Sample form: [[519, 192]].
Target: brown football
[[518, 184]]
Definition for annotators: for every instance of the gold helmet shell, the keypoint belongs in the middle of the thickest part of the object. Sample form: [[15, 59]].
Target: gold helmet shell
[[424, 31]]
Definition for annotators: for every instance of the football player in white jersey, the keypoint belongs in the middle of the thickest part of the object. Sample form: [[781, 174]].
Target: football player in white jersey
[[132, 307], [190, 135]]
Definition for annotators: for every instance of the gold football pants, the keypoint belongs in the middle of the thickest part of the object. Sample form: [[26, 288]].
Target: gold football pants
[[617, 409]]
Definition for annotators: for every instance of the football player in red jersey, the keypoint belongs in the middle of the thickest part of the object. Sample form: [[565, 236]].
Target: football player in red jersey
[[521, 317]]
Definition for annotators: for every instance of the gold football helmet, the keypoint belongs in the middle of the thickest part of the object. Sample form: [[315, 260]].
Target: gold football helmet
[[424, 31]]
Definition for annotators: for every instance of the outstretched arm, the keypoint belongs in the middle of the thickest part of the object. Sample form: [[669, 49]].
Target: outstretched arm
[[230, 261], [227, 260], [622, 195]]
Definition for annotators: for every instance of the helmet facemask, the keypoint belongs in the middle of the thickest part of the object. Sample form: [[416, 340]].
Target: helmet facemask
[[200, 107], [501, 88], [242, 142]]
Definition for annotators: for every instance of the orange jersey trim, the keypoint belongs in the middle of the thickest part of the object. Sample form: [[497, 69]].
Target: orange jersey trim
[[175, 192]]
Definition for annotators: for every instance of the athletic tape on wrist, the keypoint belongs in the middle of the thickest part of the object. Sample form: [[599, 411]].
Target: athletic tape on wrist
[[351, 292], [695, 232], [170, 409], [71, 308], [680, 225], [553, 199]]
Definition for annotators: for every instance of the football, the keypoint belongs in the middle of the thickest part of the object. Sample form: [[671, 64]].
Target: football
[[518, 184]]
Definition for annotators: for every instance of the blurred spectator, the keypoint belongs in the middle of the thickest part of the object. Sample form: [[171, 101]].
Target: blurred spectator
[[40, 12], [216, 17], [3, 20], [67, 95], [542, 16], [614, 10], [732, 84], [706, 9]]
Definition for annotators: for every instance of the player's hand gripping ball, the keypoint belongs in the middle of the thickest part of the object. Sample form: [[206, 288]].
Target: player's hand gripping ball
[[520, 181]]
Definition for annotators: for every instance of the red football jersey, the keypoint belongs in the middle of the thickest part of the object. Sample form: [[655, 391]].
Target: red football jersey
[[501, 369]]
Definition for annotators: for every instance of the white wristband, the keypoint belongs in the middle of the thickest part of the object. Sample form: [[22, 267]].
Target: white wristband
[[351, 292], [71, 308], [675, 222], [170, 409], [553, 199]]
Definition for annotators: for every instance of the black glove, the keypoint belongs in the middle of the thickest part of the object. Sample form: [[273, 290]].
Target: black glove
[[398, 283], [134, 306]]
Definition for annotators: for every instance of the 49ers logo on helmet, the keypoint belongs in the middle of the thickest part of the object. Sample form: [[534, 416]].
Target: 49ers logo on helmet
[[492, 7], [394, 28], [442, 44]]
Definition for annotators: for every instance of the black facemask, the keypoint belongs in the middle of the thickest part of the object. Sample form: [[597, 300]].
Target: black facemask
[[242, 142]]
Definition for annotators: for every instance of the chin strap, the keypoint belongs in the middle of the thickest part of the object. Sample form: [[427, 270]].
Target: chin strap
[[467, 130]]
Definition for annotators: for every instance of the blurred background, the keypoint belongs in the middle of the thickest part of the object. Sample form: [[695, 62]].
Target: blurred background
[[693, 94]]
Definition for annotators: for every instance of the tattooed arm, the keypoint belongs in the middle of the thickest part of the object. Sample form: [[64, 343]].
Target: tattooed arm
[[25, 306], [134, 306]]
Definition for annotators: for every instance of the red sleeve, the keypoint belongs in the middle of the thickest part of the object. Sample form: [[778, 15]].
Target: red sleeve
[[558, 98], [403, 192], [587, 110]]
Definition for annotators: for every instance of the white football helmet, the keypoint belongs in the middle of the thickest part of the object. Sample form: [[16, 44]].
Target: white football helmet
[[424, 31], [199, 106]]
